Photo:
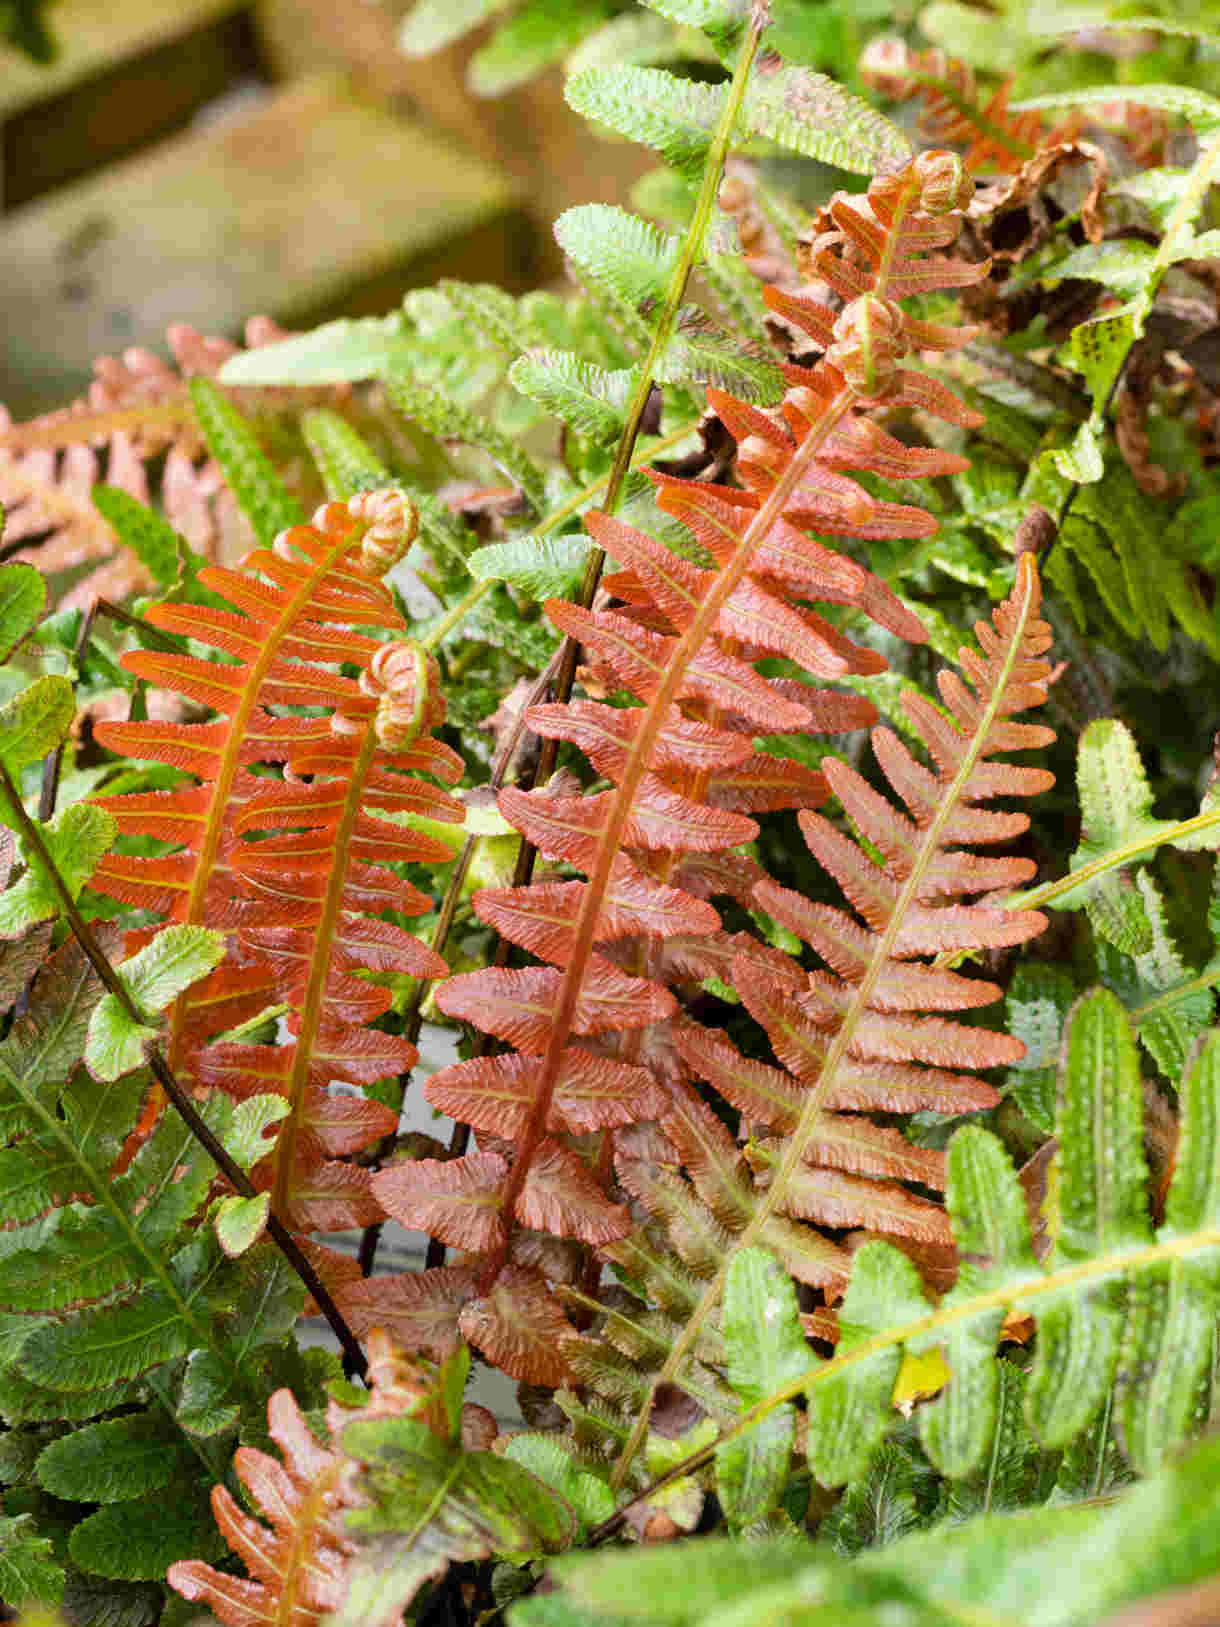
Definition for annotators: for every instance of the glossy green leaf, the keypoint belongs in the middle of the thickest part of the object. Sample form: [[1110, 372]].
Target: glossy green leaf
[[206, 1404], [76, 840], [23, 598], [115, 1461], [448, 1502], [29, 1571], [33, 723], [240, 1222], [138, 1541], [246, 1138], [177, 957]]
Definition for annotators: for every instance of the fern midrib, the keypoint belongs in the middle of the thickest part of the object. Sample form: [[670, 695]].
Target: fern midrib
[[230, 759], [100, 1185], [811, 1112], [1167, 835], [1117, 1264], [92, 427], [289, 1606], [692, 246], [635, 767], [324, 942], [319, 970]]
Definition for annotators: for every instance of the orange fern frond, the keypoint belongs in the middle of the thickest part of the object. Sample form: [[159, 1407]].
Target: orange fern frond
[[955, 110], [294, 868], [855, 1033], [299, 1553], [297, 1565], [660, 846]]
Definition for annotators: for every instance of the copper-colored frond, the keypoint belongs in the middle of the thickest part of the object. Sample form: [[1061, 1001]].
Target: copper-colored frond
[[291, 867]]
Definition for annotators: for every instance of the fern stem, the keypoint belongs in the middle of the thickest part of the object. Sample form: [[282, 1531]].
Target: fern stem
[[1206, 979], [794, 1149], [161, 1071], [1050, 891], [1118, 1263], [692, 247], [452, 618], [569, 650], [43, 435], [319, 970]]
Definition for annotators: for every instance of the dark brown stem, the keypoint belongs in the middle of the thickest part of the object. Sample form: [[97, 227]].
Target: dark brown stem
[[164, 1076], [53, 763]]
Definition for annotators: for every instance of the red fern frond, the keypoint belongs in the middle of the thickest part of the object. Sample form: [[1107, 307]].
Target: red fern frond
[[298, 1554], [659, 847], [297, 1565], [294, 868], [955, 110]]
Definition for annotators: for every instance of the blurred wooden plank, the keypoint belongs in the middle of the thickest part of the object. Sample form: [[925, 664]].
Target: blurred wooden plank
[[311, 199], [132, 103], [96, 35], [547, 149]]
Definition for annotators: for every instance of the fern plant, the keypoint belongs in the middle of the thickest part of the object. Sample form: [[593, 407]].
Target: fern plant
[[781, 1221]]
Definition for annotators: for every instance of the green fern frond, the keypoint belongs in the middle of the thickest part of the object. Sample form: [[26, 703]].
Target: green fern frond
[[251, 476], [344, 459], [592, 402], [619, 251], [675, 117], [808, 113], [447, 421]]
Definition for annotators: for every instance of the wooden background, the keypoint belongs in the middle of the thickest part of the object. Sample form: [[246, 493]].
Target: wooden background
[[204, 161]]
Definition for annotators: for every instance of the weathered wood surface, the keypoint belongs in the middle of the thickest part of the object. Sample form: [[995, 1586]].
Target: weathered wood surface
[[293, 209]]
